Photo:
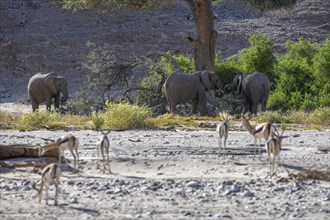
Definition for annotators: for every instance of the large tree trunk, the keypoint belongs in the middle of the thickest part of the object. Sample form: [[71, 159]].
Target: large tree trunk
[[24, 150], [204, 44]]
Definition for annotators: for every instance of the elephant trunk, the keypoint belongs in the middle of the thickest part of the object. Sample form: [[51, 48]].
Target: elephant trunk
[[65, 96], [229, 87], [221, 92]]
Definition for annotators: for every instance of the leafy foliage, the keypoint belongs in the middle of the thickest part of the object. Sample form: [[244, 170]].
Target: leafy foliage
[[300, 79], [36, 119], [227, 69], [258, 57], [321, 72], [125, 116], [97, 120], [303, 78], [319, 116], [169, 120]]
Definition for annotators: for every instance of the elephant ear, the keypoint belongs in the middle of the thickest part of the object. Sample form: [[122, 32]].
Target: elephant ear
[[239, 84], [205, 77], [49, 83]]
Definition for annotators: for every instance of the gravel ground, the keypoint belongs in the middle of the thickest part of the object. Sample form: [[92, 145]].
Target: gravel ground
[[173, 174], [156, 174]]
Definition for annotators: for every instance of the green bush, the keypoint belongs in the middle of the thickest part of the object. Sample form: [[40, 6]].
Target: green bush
[[165, 66], [170, 120], [187, 64], [37, 119], [277, 101], [226, 70], [321, 72], [258, 57], [302, 81], [300, 78], [272, 117], [320, 116], [125, 116], [97, 120]]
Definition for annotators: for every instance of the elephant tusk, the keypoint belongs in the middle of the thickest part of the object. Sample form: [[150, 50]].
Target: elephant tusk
[[221, 91]]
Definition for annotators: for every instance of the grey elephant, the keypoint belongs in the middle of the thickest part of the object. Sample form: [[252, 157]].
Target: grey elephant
[[46, 87], [181, 87], [254, 88]]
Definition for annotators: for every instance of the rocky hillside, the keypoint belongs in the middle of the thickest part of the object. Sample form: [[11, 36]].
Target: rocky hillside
[[38, 35]]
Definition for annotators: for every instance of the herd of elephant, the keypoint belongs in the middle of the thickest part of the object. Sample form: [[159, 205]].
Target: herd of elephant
[[180, 87]]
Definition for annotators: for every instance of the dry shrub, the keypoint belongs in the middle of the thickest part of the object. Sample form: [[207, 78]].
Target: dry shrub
[[311, 174]]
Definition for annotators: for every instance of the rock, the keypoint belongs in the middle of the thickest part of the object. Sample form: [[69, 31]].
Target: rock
[[327, 198], [74, 200], [109, 191], [70, 183], [226, 193], [279, 189], [188, 213], [194, 184], [25, 183], [180, 192], [248, 194], [26, 188], [235, 188]]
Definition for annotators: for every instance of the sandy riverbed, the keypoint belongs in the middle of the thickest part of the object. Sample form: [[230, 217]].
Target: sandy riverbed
[[172, 175]]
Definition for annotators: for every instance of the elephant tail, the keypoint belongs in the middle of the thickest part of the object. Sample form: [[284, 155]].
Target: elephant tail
[[266, 90]]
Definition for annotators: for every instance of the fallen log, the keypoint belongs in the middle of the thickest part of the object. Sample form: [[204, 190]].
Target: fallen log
[[24, 150], [36, 163]]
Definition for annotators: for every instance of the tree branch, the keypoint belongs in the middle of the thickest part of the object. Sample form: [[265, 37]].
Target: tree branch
[[160, 53]]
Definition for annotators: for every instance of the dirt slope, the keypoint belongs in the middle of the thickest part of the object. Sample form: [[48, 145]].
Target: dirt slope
[[38, 35]]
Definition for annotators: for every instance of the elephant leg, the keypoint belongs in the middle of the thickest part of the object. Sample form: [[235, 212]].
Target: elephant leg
[[246, 106], [263, 106], [202, 106], [35, 106], [254, 108], [194, 104], [48, 104], [172, 107], [57, 102]]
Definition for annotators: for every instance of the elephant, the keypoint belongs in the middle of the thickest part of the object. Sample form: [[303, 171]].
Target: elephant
[[45, 87], [182, 87], [254, 88]]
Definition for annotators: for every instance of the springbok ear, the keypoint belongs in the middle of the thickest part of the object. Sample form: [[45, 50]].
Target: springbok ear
[[239, 84]]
